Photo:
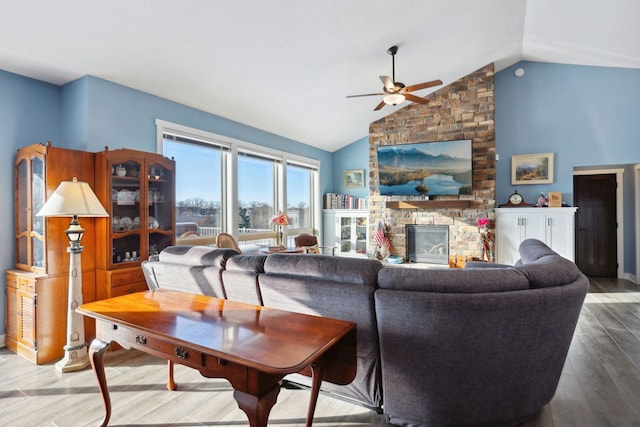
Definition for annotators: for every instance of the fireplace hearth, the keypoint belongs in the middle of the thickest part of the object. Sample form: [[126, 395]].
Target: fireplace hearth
[[428, 243]]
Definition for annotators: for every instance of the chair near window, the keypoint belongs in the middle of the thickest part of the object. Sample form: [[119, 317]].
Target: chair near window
[[309, 243], [225, 240]]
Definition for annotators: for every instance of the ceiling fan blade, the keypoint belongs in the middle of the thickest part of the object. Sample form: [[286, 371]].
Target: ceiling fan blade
[[379, 106], [424, 85], [366, 94], [389, 85], [414, 98]]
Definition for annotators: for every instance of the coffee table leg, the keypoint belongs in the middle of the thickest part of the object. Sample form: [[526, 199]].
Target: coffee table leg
[[96, 355], [317, 373], [171, 384], [257, 408]]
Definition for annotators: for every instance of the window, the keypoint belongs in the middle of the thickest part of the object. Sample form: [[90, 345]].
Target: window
[[256, 192], [229, 185], [299, 197], [198, 186]]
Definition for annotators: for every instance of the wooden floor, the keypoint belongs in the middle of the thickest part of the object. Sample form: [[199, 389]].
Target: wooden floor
[[600, 384]]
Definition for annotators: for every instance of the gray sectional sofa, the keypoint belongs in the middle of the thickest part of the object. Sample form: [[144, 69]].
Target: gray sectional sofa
[[483, 345]]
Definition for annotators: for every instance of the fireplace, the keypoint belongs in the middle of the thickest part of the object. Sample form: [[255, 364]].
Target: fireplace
[[428, 243]]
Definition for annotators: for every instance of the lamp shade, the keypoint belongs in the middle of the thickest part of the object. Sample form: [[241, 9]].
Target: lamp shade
[[73, 198], [280, 219]]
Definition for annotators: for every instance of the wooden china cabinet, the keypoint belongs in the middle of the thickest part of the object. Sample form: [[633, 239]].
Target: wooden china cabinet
[[138, 191], [36, 290]]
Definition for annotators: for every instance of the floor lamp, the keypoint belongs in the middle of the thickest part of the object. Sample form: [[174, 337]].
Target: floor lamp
[[74, 199]]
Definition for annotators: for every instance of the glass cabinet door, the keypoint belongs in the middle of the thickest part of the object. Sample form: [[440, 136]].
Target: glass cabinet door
[[159, 208], [361, 235], [22, 213], [38, 194], [30, 251], [345, 234], [126, 219]]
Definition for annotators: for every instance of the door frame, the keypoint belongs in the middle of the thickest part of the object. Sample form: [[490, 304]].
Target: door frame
[[619, 172], [636, 173]]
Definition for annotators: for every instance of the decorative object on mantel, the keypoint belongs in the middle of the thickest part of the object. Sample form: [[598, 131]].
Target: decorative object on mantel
[[515, 201], [542, 201], [74, 199], [555, 199], [488, 253], [280, 220]]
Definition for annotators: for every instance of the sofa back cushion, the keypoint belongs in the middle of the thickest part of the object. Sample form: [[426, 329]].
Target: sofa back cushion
[[467, 280], [336, 287], [195, 269], [240, 278], [543, 267]]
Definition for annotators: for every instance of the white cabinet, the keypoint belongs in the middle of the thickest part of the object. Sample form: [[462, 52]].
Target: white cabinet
[[553, 226], [347, 230]]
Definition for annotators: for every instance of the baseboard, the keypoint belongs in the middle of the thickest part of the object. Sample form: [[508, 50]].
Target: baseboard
[[631, 277]]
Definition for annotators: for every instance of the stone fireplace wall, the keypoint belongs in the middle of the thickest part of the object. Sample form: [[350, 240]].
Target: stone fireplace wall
[[462, 110]]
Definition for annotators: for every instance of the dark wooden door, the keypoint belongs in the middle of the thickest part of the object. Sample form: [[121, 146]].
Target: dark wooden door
[[596, 226]]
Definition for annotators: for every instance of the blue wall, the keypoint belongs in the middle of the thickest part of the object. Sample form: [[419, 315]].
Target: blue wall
[[29, 113], [585, 115], [353, 156]]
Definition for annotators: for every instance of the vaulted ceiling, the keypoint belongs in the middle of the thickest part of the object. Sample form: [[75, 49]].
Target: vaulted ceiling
[[286, 66]]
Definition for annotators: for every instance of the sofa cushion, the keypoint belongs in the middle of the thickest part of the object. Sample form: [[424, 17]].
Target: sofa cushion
[[533, 249], [240, 278], [359, 271], [196, 255], [466, 280], [543, 267]]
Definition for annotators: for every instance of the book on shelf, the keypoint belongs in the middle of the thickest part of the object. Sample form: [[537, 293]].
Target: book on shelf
[[343, 201]]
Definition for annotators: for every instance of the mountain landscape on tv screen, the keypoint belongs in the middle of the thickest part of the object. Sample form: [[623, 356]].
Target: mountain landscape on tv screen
[[437, 168]]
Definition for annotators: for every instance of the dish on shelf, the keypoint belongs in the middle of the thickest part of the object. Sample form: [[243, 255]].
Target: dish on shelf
[[126, 223], [126, 197], [153, 223], [136, 223], [394, 259], [115, 223]]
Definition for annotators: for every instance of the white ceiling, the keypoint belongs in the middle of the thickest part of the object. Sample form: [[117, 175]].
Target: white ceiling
[[286, 66]]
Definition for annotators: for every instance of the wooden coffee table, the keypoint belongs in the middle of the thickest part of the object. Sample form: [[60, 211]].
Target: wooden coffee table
[[252, 347]]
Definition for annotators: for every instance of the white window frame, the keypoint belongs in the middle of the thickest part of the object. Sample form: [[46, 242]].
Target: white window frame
[[230, 183]]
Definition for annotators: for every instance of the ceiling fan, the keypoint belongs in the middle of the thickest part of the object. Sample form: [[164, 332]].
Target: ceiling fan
[[396, 92]]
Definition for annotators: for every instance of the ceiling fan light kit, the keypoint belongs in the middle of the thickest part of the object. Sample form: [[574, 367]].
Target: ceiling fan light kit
[[396, 92], [394, 99]]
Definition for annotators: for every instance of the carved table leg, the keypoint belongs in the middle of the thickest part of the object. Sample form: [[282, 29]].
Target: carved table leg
[[317, 371], [257, 408], [96, 356], [171, 384]]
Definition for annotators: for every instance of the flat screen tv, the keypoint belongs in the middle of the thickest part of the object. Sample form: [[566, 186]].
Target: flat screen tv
[[426, 168]]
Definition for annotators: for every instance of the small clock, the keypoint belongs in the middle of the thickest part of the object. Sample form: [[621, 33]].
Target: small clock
[[515, 200]]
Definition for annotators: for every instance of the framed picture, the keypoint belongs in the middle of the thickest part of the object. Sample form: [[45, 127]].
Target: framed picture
[[532, 169], [354, 178]]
